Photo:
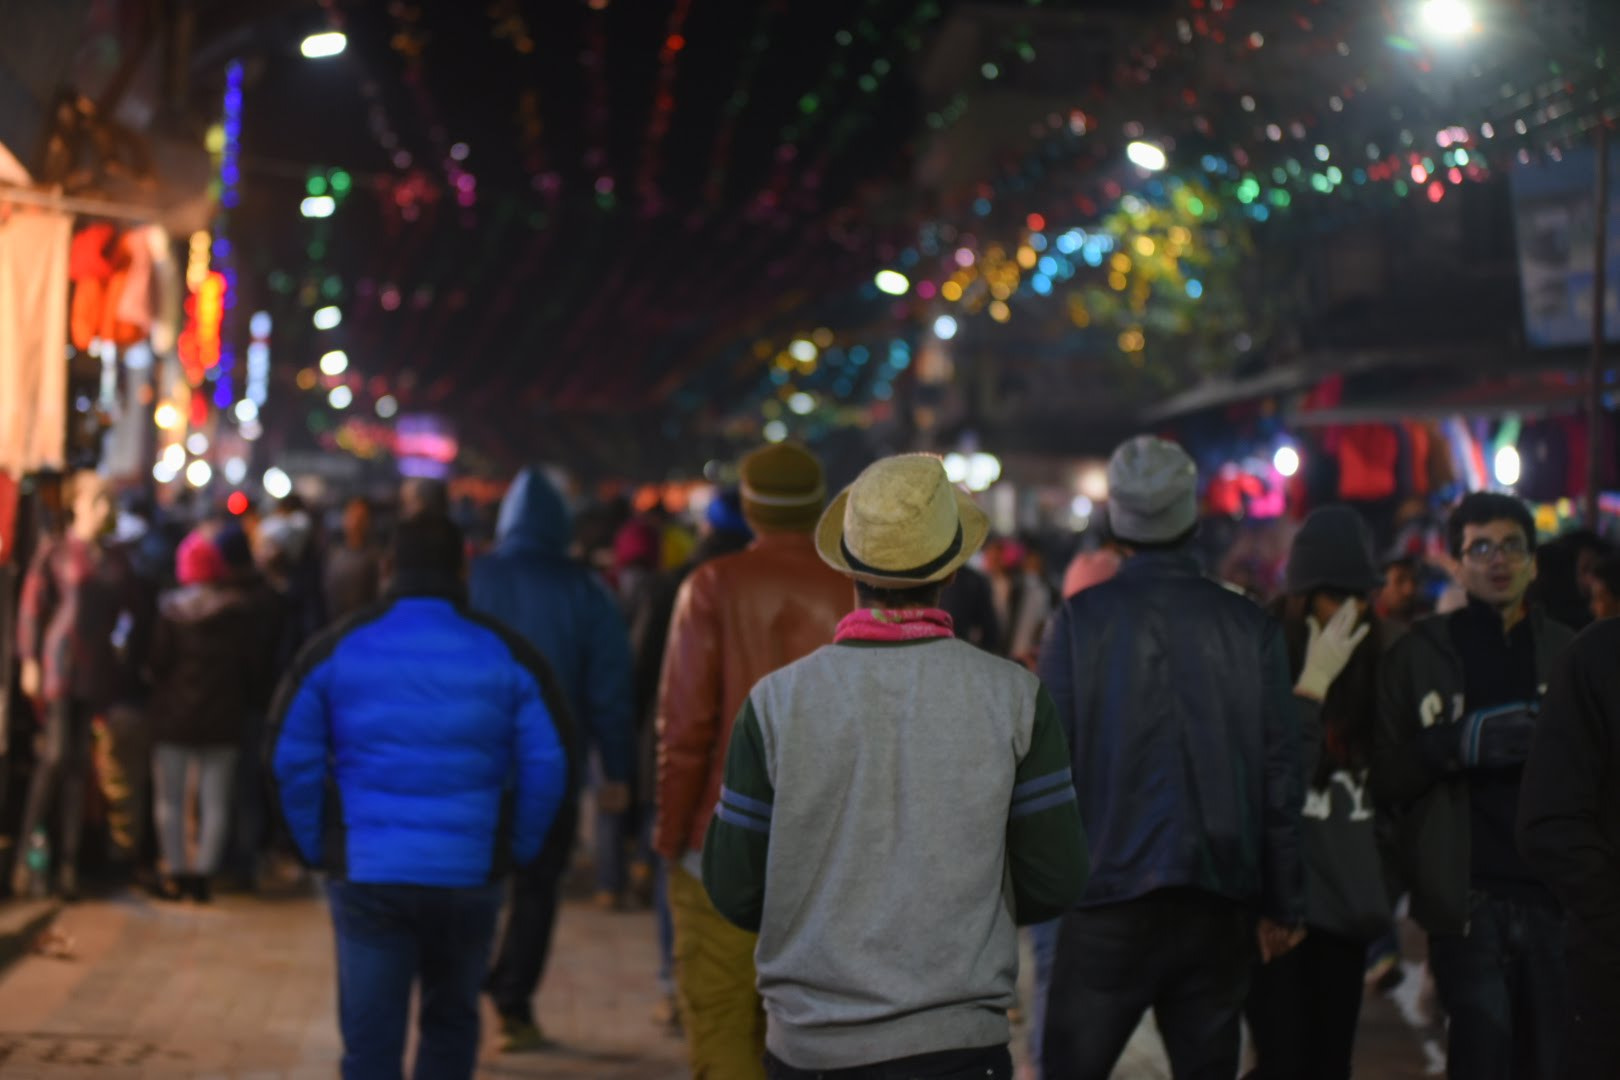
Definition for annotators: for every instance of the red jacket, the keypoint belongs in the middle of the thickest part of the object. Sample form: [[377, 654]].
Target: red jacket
[[737, 619]]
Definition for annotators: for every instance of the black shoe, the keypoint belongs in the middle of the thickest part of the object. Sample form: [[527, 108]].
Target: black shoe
[[200, 889]]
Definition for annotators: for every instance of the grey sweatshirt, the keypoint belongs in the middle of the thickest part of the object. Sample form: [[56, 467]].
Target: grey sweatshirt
[[890, 813]]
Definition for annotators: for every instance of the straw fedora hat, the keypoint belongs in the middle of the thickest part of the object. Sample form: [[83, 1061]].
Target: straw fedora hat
[[901, 524]]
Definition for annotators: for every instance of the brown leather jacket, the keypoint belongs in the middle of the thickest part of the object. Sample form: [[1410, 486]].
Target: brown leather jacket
[[737, 619]]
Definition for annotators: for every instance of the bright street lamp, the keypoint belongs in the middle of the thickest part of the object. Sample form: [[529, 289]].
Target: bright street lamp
[[1146, 155], [892, 282], [1448, 18], [320, 46]]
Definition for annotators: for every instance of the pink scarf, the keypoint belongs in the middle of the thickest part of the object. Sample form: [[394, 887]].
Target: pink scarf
[[910, 624]]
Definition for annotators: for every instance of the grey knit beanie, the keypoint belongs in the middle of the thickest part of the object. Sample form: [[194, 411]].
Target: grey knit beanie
[[1152, 491]]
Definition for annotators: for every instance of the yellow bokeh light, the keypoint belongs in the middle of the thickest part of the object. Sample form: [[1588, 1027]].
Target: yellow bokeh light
[[1131, 341], [999, 311], [823, 337], [951, 291], [307, 379], [1027, 257], [1145, 246], [1121, 262], [1000, 291], [1180, 235], [1116, 281], [784, 361]]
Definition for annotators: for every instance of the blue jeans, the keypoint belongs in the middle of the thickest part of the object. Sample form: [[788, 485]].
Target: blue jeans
[[1505, 986], [1043, 939], [388, 938]]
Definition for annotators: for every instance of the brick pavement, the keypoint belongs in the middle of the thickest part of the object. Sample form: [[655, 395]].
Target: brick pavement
[[245, 990]]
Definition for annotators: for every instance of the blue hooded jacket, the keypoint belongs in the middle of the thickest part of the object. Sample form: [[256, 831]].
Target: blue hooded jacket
[[419, 744], [562, 609]]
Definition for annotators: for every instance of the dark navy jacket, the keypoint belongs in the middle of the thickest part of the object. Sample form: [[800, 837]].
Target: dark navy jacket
[[562, 609], [419, 744], [1175, 695]]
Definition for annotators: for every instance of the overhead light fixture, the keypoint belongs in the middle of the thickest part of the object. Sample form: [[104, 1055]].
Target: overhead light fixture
[[1507, 466], [325, 44], [1286, 460], [1448, 18], [892, 282], [1146, 155], [983, 470], [277, 484]]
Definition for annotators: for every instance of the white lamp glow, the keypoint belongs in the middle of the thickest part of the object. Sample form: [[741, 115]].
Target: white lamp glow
[[322, 45], [1146, 155]]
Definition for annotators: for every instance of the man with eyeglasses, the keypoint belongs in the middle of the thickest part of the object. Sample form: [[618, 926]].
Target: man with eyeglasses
[[1458, 700]]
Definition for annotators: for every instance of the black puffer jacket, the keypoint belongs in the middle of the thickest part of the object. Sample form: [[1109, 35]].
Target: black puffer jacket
[[1175, 695], [1420, 684], [210, 665]]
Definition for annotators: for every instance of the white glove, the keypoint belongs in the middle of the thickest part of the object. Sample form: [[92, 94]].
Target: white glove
[[1330, 649]]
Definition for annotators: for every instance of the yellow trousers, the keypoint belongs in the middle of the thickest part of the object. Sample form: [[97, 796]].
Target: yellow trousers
[[714, 983]]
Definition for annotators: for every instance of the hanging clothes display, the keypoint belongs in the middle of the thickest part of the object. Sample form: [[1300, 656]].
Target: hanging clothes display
[[33, 338], [1368, 454]]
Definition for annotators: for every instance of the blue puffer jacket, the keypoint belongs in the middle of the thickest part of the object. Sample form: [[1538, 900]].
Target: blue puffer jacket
[[419, 744], [561, 608], [1176, 698]]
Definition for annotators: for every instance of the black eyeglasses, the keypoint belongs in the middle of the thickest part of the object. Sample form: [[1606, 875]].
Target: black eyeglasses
[[1513, 549]]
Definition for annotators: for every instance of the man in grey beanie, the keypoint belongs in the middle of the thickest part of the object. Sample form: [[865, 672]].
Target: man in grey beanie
[[1176, 697]]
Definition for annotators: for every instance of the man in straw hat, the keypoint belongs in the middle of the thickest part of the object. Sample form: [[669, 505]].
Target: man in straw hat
[[893, 806], [737, 619], [1175, 694]]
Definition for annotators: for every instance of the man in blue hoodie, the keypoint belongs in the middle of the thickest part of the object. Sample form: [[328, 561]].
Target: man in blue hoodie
[[561, 609], [417, 750]]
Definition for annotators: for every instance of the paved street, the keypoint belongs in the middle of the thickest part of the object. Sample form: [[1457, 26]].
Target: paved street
[[245, 990]]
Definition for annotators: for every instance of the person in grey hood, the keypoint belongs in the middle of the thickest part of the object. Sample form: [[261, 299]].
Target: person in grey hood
[[561, 608]]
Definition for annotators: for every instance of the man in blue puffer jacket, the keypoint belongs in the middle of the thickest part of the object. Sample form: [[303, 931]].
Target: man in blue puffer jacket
[[418, 750], [561, 609]]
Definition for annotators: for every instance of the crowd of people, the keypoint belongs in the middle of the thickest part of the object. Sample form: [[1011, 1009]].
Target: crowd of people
[[844, 748]]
